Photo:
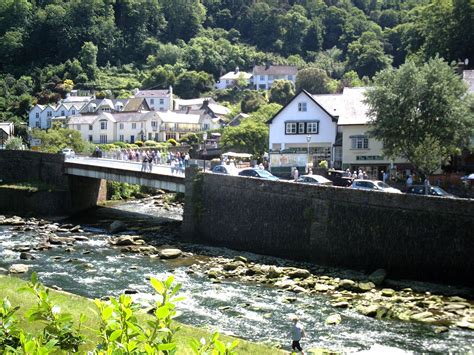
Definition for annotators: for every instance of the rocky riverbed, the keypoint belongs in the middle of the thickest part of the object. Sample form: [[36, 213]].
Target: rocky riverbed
[[141, 244]]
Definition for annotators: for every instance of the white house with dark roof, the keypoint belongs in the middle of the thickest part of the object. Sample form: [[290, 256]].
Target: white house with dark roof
[[42, 116], [157, 100], [7, 129], [229, 80], [263, 76]]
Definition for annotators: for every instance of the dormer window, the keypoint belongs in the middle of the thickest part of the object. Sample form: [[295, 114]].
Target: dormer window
[[62, 113], [103, 124], [37, 115], [302, 107], [49, 114]]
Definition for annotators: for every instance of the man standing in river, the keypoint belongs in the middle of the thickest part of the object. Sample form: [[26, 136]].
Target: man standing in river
[[297, 332]]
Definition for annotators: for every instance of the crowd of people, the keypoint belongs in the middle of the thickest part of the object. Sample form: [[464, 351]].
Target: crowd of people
[[177, 161]]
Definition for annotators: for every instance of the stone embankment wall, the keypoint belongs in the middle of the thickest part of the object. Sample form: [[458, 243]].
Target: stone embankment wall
[[418, 237], [70, 194]]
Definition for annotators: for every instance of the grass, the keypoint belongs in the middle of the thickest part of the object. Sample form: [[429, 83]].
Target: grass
[[30, 186], [76, 305]]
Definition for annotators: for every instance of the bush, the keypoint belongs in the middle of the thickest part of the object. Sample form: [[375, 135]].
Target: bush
[[14, 143], [120, 144], [323, 164], [139, 143], [190, 138], [151, 144], [172, 142]]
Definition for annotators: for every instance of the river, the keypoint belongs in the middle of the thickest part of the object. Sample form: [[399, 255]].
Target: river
[[254, 312]]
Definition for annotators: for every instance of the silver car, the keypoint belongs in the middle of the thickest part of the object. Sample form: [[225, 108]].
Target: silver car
[[373, 185], [68, 153]]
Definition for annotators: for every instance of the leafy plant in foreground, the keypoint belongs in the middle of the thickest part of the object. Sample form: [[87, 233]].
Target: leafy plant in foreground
[[9, 331], [213, 346], [59, 327]]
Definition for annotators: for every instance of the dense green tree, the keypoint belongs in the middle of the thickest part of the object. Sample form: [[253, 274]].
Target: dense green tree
[[55, 139], [313, 80], [88, 58], [14, 143], [160, 77], [191, 84], [366, 55], [252, 101], [185, 18], [281, 92], [421, 113], [265, 112], [250, 136], [296, 29]]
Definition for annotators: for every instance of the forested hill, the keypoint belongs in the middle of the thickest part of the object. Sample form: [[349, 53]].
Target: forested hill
[[156, 41]]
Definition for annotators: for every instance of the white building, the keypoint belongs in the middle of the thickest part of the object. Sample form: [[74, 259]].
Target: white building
[[187, 105], [157, 100], [130, 127], [230, 79], [263, 76], [42, 116], [301, 123], [7, 129]]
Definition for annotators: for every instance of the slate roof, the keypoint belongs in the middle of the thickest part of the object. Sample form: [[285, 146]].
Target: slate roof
[[275, 70], [468, 77], [193, 102], [218, 109], [135, 103], [126, 116], [89, 119], [153, 93]]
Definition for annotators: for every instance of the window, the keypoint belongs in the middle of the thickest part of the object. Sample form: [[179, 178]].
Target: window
[[78, 127], [132, 139], [162, 101], [302, 107], [154, 124], [103, 138], [141, 125], [262, 77], [360, 142], [90, 127], [62, 113], [121, 127], [301, 127], [290, 128], [134, 126], [262, 87], [37, 115], [37, 124], [290, 77], [90, 138], [205, 126], [152, 101], [270, 77], [150, 136], [103, 125], [49, 114], [73, 112], [312, 127], [121, 138]]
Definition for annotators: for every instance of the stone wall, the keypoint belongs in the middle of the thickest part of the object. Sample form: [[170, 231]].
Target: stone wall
[[426, 238], [71, 193]]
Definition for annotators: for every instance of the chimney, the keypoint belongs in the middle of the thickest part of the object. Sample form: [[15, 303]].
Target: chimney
[[267, 65], [236, 70], [205, 104]]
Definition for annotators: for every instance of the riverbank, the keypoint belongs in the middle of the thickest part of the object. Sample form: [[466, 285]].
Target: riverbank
[[76, 305], [245, 294]]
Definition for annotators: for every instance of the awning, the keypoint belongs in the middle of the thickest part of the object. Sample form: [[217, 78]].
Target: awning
[[237, 155]]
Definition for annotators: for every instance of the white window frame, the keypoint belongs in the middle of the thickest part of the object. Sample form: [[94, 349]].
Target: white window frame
[[302, 107], [37, 115], [103, 125], [134, 126], [312, 127], [49, 114], [103, 139], [291, 127], [152, 101], [162, 101], [301, 128], [91, 127], [121, 138], [121, 127], [361, 142]]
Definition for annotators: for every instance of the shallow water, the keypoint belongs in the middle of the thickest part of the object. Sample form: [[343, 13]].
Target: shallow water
[[254, 312]]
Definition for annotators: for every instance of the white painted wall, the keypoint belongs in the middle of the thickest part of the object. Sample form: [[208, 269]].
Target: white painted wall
[[327, 128], [265, 81]]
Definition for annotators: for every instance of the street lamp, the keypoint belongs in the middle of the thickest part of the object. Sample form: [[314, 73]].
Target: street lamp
[[308, 139], [204, 152]]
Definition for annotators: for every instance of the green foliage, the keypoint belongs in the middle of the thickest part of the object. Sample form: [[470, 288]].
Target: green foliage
[[55, 139], [265, 112], [122, 190], [323, 164], [14, 143], [418, 107], [139, 143], [172, 142], [249, 137], [252, 101], [58, 327], [120, 144], [213, 346], [281, 92], [191, 84], [313, 80], [9, 330], [190, 138], [150, 144]]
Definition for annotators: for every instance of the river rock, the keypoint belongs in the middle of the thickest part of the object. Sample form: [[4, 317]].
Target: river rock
[[295, 273], [214, 273], [441, 329], [421, 316], [323, 287], [125, 240], [333, 319], [18, 268], [21, 248], [369, 311], [75, 228], [3, 271], [342, 304], [274, 272], [347, 284], [388, 292], [241, 258], [378, 276], [233, 265], [26, 256], [285, 283], [81, 238], [171, 253], [117, 227], [365, 286]]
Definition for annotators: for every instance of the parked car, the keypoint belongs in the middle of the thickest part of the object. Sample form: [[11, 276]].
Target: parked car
[[339, 177], [314, 179], [433, 191], [373, 185], [68, 153], [258, 173], [225, 169]]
